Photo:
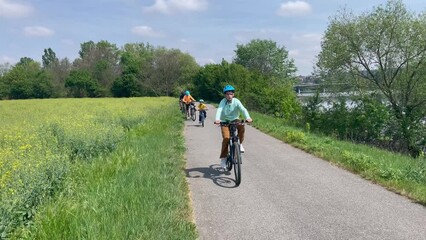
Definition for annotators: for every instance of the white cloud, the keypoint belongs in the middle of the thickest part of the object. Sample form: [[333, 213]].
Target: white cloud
[[170, 6], [11, 9], [38, 31], [294, 8], [6, 59], [145, 31], [204, 61]]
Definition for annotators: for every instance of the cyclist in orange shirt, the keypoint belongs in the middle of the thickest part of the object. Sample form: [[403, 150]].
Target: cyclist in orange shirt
[[188, 100]]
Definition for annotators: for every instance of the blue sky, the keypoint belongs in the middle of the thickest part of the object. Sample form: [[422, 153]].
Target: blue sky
[[209, 30]]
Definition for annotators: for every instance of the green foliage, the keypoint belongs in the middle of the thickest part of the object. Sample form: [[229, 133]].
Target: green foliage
[[294, 136], [134, 58], [81, 84], [101, 61], [49, 58], [265, 57], [257, 91], [382, 51], [167, 70], [366, 120], [210, 80], [26, 80], [125, 86], [358, 161]]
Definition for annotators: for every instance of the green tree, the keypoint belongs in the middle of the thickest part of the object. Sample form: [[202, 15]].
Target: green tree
[[101, 60], [211, 78], [25, 61], [81, 84], [58, 74], [26, 80], [168, 69], [384, 52], [266, 57], [126, 86], [57, 71], [135, 57], [49, 58]]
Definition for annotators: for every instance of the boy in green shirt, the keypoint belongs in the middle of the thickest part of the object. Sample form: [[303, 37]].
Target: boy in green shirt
[[229, 110]]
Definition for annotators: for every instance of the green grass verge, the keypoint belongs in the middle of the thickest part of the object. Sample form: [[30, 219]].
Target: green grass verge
[[137, 192], [399, 173]]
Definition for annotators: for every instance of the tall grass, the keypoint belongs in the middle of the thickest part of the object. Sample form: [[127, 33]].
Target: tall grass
[[122, 162], [399, 173]]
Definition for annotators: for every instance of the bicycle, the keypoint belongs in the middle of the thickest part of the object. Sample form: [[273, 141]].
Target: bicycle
[[234, 157], [182, 107], [192, 111], [202, 116]]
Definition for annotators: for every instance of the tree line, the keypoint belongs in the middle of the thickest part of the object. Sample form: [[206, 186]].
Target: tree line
[[101, 70]]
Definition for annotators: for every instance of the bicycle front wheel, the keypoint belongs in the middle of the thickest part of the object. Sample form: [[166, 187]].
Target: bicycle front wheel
[[193, 116], [237, 163]]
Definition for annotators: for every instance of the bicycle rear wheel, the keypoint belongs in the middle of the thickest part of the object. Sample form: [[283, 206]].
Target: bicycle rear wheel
[[237, 163]]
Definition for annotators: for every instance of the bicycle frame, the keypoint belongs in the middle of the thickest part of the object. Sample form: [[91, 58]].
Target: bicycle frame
[[234, 155]]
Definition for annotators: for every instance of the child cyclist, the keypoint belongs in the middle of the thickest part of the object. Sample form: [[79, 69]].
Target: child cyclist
[[202, 107], [188, 100], [229, 110]]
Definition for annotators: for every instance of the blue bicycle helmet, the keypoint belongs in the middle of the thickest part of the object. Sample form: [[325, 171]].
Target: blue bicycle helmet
[[201, 100], [228, 88], [187, 93]]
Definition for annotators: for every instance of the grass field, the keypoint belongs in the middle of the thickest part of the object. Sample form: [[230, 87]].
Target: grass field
[[94, 169]]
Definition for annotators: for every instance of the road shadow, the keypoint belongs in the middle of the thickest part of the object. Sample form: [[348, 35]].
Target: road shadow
[[213, 172]]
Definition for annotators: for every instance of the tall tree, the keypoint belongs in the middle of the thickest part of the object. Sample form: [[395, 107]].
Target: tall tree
[[49, 58], [382, 51], [59, 72], [135, 57], [168, 69], [265, 57], [102, 61]]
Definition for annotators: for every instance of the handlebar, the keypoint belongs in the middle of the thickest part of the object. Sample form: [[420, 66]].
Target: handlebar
[[236, 122]]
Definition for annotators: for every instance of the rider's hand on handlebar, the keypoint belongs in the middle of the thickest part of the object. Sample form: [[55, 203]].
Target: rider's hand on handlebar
[[249, 120]]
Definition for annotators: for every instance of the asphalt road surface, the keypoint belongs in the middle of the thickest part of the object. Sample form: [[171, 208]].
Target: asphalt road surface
[[286, 193]]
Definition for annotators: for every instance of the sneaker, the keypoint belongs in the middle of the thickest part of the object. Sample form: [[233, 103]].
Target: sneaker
[[242, 148], [223, 163]]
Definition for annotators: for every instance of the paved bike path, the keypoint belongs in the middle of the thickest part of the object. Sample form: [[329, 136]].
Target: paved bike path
[[286, 193]]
